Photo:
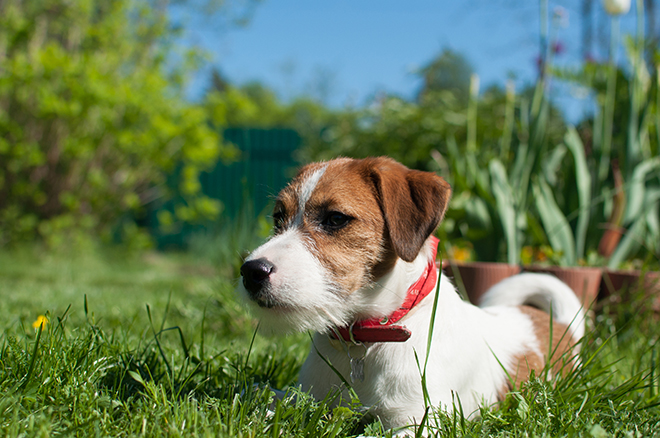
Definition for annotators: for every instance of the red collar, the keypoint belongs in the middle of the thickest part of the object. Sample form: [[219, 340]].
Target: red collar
[[384, 329]]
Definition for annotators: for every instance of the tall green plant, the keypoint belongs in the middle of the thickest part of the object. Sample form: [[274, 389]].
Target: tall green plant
[[511, 189], [641, 166], [621, 186], [569, 244]]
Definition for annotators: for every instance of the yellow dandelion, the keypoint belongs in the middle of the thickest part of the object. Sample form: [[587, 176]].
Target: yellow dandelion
[[40, 322]]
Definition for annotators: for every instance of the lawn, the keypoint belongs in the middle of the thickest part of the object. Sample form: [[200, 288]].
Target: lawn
[[158, 344]]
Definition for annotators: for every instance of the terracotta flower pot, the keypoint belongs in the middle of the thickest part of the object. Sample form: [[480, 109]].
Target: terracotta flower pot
[[475, 278], [585, 281], [619, 286]]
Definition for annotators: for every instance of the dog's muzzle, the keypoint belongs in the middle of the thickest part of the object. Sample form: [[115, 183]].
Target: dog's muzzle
[[256, 279]]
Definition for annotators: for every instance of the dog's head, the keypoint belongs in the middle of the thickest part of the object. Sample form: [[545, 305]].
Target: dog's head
[[340, 226]]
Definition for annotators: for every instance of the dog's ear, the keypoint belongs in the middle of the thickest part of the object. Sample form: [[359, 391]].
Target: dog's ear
[[413, 203]]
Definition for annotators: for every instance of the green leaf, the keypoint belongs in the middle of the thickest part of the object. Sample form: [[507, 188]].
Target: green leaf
[[629, 244], [653, 219], [506, 208], [636, 188], [477, 213], [137, 377], [583, 177], [556, 226], [553, 163]]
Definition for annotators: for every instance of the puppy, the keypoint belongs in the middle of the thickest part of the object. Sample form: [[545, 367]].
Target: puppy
[[352, 258]]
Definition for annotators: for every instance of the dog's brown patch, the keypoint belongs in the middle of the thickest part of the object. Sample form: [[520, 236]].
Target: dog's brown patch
[[554, 340], [413, 203]]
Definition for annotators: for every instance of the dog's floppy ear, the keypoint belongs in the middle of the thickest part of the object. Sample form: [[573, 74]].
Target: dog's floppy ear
[[413, 203]]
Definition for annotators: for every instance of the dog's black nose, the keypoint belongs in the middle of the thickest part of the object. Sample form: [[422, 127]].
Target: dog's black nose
[[255, 274]]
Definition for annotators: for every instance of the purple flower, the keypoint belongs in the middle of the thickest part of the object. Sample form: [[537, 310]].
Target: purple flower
[[558, 48]]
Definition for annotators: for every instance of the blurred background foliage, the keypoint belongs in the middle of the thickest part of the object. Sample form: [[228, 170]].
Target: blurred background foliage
[[96, 132], [92, 118]]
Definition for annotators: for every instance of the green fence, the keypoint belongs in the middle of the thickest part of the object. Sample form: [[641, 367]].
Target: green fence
[[248, 185], [265, 166]]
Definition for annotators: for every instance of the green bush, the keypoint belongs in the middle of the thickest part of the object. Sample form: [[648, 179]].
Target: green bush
[[92, 118]]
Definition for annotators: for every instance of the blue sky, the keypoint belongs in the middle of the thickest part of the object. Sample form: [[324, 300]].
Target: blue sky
[[347, 50]]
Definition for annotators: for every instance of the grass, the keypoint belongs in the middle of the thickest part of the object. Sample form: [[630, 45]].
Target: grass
[[158, 345]]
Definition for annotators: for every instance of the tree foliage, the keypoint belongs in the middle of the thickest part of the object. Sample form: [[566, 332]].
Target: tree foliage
[[253, 105], [92, 118], [449, 71]]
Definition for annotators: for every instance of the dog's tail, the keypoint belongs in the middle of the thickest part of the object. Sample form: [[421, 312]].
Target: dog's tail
[[542, 291]]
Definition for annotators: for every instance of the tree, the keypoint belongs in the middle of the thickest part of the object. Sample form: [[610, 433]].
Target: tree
[[92, 117], [449, 71]]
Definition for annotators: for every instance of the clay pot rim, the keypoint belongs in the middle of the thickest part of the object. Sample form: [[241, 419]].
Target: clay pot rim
[[636, 272], [555, 268], [478, 264]]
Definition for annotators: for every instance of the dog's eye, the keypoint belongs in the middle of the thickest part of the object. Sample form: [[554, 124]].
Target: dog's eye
[[278, 220], [335, 220]]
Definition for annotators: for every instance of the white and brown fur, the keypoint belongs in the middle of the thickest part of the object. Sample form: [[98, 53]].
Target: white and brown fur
[[313, 275]]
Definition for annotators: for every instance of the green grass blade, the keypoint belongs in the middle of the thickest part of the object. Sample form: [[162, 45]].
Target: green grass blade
[[33, 358]]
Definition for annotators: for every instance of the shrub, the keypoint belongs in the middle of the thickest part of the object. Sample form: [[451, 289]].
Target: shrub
[[92, 118]]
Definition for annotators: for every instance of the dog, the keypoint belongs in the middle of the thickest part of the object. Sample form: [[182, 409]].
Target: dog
[[352, 258]]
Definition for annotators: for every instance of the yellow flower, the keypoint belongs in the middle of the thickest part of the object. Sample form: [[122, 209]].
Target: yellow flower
[[527, 255], [460, 254], [543, 254], [40, 322]]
